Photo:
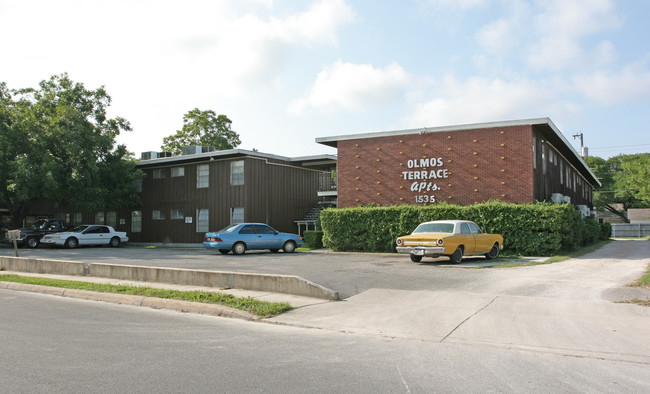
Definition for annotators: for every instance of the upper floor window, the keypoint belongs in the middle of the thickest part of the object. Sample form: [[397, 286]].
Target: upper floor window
[[178, 171], [137, 184], [203, 176], [237, 173], [177, 214], [159, 173], [158, 215]]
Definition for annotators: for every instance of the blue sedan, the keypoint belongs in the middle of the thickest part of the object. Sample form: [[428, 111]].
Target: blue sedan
[[243, 236]]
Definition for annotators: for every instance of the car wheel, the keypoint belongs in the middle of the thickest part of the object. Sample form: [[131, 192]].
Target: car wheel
[[71, 243], [274, 250], [416, 259], [457, 257], [289, 247], [239, 248], [32, 242], [493, 253], [115, 242], [224, 251]]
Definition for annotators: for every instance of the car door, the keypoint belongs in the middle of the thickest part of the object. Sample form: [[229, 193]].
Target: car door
[[268, 238], [482, 239], [90, 236], [469, 239], [247, 235]]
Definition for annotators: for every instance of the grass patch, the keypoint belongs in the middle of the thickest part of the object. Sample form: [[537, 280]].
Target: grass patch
[[558, 258], [248, 304], [644, 280]]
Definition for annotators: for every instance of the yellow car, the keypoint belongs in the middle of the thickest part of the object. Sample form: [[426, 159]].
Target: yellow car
[[452, 238]]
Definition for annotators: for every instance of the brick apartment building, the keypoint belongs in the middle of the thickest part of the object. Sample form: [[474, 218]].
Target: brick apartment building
[[519, 161]]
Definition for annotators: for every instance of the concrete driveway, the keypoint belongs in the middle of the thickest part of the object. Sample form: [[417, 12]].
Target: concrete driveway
[[564, 308]]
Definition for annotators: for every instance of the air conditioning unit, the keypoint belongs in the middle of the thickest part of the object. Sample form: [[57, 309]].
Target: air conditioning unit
[[148, 155], [566, 199], [164, 154], [557, 197], [584, 210], [192, 150]]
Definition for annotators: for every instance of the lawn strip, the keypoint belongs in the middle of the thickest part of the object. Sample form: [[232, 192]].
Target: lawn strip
[[558, 258], [248, 304]]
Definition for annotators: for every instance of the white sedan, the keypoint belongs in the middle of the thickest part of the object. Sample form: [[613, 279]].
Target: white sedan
[[87, 234]]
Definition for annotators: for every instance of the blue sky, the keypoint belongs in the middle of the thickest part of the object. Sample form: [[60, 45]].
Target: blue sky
[[287, 72]]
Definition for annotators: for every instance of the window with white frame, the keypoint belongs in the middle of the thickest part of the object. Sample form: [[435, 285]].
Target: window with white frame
[[99, 218], [159, 173], [111, 218], [136, 221], [177, 214], [202, 220], [236, 215], [178, 171], [237, 173], [158, 215], [202, 176]]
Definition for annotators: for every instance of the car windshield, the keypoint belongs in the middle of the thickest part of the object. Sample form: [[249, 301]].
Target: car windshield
[[435, 228], [229, 229], [39, 224], [79, 229]]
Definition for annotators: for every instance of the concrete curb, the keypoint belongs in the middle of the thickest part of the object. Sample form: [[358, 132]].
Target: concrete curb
[[287, 284], [151, 302]]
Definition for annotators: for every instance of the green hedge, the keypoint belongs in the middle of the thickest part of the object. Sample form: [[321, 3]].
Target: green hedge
[[313, 239], [540, 229]]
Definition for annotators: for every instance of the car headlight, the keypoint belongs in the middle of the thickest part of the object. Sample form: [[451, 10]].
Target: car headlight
[[441, 241], [399, 242]]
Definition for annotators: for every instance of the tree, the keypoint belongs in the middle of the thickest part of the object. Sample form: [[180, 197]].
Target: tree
[[625, 180], [57, 143], [202, 128]]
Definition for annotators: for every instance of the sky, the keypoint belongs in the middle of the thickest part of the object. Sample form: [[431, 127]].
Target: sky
[[289, 71]]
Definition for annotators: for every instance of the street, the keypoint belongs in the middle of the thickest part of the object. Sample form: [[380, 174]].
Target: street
[[59, 345]]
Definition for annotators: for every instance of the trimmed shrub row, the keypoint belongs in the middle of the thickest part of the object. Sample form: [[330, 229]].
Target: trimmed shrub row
[[539, 229]]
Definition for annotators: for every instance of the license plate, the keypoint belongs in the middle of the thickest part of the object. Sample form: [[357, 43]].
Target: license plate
[[418, 252]]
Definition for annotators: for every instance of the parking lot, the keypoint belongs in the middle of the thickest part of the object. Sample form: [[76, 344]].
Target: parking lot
[[590, 277]]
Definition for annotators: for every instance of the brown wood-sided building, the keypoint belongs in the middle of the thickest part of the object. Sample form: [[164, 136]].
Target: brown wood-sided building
[[186, 196], [519, 161]]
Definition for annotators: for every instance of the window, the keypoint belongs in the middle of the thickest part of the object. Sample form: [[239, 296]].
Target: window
[[561, 173], [237, 173], [178, 171], [111, 218], [464, 228], [137, 185], [158, 215], [99, 218], [78, 218], [203, 220], [202, 176], [534, 153], [136, 221], [159, 173], [236, 215], [543, 159], [475, 229], [177, 214]]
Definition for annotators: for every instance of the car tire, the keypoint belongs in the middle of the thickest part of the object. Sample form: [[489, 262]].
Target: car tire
[[274, 250], [115, 242], [457, 257], [289, 247], [239, 248], [493, 253], [32, 242], [416, 259], [224, 251], [71, 243]]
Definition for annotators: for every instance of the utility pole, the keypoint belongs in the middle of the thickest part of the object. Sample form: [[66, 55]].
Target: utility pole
[[583, 150]]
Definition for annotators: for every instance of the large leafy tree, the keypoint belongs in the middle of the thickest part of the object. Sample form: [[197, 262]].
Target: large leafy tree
[[202, 128], [625, 180], [56, 142]]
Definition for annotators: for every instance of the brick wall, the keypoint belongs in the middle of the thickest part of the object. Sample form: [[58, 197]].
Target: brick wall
[[460, 167]]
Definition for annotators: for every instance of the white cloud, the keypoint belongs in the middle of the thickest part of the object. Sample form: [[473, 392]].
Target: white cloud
[[352, 87], [480, 99], [560, 27], [632, 82]]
